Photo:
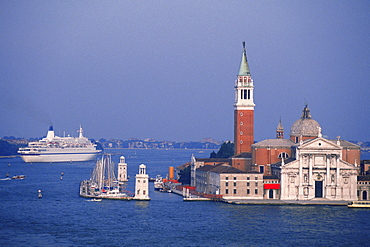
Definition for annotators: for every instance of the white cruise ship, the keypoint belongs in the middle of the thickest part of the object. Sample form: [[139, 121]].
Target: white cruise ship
[[59, 149]]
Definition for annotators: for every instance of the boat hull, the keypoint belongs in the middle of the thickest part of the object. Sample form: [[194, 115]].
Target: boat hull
[[359, 204], [58, 157]]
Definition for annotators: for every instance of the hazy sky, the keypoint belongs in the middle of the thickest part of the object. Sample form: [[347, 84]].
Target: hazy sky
[[166, 69]]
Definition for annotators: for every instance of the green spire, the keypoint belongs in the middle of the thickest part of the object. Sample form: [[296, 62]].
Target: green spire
[[244, 67]]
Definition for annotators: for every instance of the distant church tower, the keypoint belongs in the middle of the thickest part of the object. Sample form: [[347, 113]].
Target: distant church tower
[[280, 131], [122, 170], [243, 108], [142, 184]]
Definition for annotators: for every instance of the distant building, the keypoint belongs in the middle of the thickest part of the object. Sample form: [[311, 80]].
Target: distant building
[[230, 182], [363, 187], [200, 162]]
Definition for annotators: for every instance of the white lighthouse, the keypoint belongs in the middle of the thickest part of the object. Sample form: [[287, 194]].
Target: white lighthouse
[[122, 170], [142, 184]]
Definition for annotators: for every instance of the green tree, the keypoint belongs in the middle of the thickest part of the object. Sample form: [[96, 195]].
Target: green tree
[[185, 176], [226, 151], [8, 149]]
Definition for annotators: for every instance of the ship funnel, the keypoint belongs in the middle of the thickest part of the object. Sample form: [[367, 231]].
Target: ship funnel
[[80, 131], [50, 135]]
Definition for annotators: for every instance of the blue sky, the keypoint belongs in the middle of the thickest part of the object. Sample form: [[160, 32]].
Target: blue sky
[[166, 69]]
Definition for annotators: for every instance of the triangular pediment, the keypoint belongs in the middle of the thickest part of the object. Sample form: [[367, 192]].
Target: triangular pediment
[[292, 164], [319, 144]]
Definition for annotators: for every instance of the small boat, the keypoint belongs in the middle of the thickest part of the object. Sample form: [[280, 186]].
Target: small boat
[[96, 199], [19, 177], [158, 183], [359, 204]]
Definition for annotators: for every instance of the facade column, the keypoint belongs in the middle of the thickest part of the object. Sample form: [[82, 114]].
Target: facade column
[[338, 178], [311, 179], [327, 187], [300, 176]]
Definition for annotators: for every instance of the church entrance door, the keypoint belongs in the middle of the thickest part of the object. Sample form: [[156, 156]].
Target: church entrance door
[[318, 189], [364, 195]]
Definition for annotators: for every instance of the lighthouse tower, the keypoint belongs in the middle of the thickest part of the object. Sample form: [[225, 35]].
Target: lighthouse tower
[[142, 184], [243, 108], [122, 170]]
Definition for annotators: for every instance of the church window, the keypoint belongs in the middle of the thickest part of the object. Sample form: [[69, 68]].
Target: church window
[[226, 191], [247, 183], [241, 142], [283, 155], [248, 191], [241, 123], [245, 79], [240, 79], [256, 191], [226, 184], [241, 133], [234, 183], [234, 191], [241, 114], [262, 168]]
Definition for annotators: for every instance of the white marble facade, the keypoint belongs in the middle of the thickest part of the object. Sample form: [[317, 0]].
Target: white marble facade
[[318, 173]]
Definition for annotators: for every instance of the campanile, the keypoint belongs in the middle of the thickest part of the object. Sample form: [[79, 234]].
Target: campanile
[[243, 108]]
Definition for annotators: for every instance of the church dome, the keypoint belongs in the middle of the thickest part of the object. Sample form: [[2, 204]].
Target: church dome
[[305, 126]]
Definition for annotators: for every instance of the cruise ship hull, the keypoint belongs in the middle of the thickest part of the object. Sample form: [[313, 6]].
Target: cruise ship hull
[[53, 148], [58, 157]]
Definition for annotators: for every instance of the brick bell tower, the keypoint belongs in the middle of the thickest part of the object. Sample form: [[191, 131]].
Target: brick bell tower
[[243, 108]]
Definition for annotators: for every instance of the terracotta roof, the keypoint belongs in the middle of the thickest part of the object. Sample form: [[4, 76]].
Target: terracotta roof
[[226, 169], [243, 155], [283, 143], [346, 144], [205, 168], [226, 160], [286, 161]]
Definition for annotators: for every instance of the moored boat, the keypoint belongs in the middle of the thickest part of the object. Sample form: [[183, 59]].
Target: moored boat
[[158, 183], [359, 204], [53, 148], [103, 183]]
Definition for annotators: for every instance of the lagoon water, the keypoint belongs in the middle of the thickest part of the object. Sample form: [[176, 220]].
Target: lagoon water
[[62, 218]]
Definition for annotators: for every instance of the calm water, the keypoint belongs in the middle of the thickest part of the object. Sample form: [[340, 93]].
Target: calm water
[[62, 218]]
